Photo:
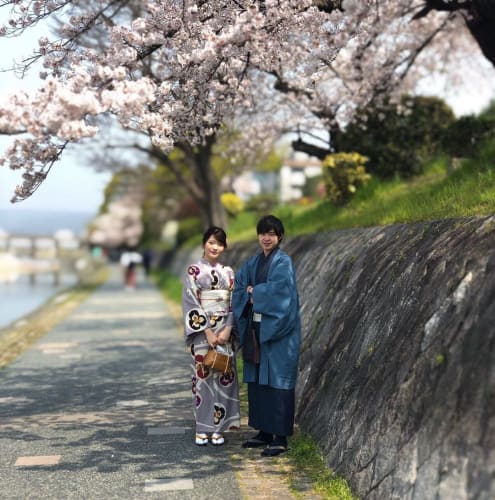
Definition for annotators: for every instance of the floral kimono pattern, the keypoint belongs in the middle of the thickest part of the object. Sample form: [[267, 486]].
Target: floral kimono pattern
[[206, 303]]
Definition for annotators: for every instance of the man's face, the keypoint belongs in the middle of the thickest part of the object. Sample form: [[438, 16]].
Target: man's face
[[268, 241]]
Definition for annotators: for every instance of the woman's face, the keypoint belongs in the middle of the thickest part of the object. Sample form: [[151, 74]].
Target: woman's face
[[213, 249], [268, 241]]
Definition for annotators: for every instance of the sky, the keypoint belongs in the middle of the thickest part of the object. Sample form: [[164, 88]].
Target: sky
[[74, 186], [71, 185]]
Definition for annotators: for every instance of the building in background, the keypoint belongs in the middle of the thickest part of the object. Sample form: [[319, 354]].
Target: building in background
[[295, 172], [287, 183]]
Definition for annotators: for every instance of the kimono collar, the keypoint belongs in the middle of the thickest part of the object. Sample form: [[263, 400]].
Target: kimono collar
[[264, 265], [204, 260]]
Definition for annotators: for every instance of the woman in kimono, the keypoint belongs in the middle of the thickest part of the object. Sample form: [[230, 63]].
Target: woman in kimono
[[208, 320], [266, 308]]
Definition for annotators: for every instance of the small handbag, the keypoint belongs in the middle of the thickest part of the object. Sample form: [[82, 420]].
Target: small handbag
[[219, 358]]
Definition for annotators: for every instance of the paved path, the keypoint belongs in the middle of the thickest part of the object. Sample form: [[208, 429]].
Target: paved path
[[100, 408]]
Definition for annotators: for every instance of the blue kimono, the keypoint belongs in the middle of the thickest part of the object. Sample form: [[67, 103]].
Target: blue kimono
[[277, 301]]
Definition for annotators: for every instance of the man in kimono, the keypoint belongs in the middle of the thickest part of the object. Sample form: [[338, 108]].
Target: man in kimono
[[266, 308]]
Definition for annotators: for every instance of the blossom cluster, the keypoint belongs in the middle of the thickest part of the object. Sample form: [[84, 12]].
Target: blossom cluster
[[178, 73], [120, 225]]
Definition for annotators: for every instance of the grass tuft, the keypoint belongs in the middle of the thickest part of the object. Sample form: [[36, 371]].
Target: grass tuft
[[169, 284], [308, 460]]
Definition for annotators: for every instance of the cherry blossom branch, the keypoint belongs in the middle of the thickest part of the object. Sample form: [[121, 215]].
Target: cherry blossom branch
[[178, 74]]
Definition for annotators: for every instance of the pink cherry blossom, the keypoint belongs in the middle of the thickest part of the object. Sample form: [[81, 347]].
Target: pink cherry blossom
[[178, 74]]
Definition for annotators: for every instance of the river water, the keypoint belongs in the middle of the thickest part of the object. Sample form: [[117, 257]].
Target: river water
[[19, 298]]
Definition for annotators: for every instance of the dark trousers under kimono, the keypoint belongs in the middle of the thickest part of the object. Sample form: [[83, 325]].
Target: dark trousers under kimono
[[271, 410]]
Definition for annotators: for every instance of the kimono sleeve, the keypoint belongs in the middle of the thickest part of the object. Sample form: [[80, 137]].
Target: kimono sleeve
[[240, 297], [277, 299], [240, 301], [195, 318]]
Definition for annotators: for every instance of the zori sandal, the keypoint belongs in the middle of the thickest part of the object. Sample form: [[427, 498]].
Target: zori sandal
[[217, 439], [201, 439]]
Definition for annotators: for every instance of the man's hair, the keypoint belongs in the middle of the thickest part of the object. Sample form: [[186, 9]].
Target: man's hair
[[270, 223], [218, 233]]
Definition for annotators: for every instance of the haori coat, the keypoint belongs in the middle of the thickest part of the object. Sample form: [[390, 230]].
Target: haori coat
[[277, 301]]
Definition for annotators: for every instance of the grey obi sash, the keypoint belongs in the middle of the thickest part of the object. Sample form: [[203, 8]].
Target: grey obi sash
[[215, 301]]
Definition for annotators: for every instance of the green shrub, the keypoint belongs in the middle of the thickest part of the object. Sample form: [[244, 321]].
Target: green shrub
[[464, 137], [232, 203], [343, 173], [313, 187], [397, 137]]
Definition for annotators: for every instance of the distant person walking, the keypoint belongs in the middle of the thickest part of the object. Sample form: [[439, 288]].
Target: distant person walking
[[266, 308], [128, 260], [208, 320]]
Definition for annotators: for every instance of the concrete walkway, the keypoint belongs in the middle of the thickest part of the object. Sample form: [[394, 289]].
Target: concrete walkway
[[100, 408]]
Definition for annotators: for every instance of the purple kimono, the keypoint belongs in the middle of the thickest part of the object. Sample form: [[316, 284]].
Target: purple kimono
[[206, 303]]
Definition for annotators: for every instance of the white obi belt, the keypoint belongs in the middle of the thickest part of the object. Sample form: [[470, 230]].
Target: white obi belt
[[215, 301]]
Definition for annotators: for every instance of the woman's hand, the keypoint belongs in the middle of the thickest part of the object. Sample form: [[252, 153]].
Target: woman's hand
[[224, 335], [211, 337]]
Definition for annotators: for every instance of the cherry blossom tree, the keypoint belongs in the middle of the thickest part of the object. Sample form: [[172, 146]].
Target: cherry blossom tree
[[175, 71], [477, 15], [386, 51], [119, 226]]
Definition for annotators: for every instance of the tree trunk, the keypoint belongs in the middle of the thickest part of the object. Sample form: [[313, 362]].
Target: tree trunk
[[479, 16], [481, 22], [317, 151], [202, 184], [310, 149], [212, 210]]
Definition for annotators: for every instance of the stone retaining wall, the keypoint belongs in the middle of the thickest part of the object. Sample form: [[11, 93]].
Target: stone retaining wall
[[397, 369]]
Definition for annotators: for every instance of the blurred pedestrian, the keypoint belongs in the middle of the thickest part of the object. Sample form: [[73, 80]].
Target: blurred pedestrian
[[128, 260]]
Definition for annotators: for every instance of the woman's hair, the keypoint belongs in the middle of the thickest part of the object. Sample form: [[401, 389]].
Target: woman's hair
[[270, 223], [218, 233]]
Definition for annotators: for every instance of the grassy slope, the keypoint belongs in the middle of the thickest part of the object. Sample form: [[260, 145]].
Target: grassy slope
[[468, 191]]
